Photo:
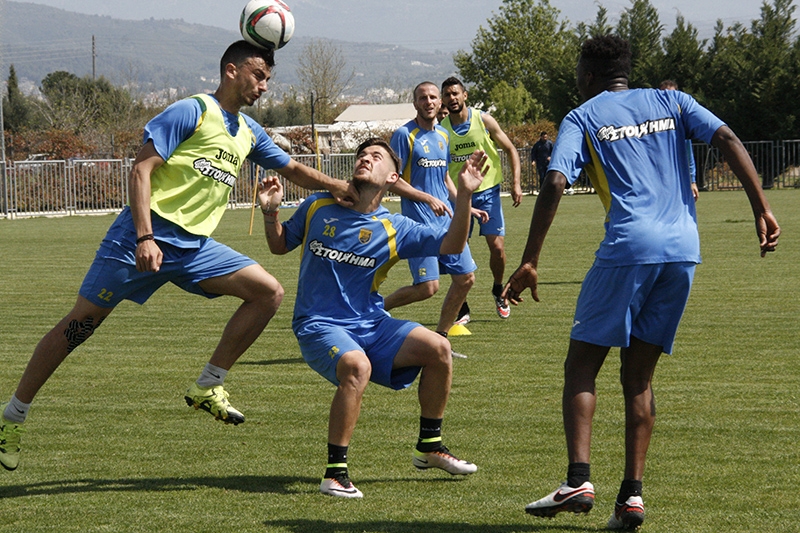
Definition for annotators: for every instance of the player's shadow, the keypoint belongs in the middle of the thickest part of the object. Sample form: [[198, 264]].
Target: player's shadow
[[252, 484], [266, 362], [416, 526]]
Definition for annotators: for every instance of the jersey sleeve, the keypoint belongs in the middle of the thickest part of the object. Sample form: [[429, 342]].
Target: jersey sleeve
[[265, 152], [570, 151], [295, 227], [699, 122], [400, 145], [172, 126], [415, 239]]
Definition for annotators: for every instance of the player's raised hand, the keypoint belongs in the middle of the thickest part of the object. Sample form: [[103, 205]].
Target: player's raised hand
[[525, 277], [474, 169], [270, 193]]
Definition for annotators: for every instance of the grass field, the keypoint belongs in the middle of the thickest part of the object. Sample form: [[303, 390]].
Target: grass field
[[111, 446]]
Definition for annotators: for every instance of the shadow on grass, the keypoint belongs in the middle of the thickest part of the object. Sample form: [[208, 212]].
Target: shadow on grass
[[252, 484], [264, 362], [416, 526]]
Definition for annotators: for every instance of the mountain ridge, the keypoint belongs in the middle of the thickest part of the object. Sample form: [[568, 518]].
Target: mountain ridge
[[154, 55]]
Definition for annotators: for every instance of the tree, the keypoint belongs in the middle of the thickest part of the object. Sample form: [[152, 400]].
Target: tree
[[323, 73], [512, 104], [524, 45], [16, 110], [684, 57], [640, 25]]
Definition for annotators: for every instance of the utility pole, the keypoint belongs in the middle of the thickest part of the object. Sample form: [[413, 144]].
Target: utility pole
[[94, 60]]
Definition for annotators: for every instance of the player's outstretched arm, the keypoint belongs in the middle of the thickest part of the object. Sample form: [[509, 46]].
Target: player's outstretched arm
[[309, 178], [402, 188], [739, 160], [270, 195], [526, 277], [469, 179]]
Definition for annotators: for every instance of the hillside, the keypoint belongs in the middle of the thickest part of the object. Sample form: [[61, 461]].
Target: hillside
[[155, 55]]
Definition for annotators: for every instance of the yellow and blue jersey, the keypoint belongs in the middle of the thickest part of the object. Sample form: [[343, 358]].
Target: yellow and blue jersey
[[632, 145], [424, 157], [346, 255]]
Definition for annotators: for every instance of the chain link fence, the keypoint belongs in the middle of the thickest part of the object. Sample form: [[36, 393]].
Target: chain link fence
[[75, 187]]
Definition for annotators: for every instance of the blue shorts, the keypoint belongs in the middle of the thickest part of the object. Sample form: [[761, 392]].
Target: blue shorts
[[643, 301], [113, 276], [323, 343], [430, 268], [489, 201]]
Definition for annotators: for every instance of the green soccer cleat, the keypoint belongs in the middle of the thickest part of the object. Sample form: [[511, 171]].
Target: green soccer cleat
[[215, 401], [10, 433]]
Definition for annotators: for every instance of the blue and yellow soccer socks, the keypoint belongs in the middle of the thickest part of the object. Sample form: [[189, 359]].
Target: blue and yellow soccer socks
[[430, 434]]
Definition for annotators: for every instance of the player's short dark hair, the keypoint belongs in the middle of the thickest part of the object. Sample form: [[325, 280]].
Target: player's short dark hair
[[607, 56], [422, 84], [452, 80], [668, 84], [377, 141], [240, 51], [543, 133]]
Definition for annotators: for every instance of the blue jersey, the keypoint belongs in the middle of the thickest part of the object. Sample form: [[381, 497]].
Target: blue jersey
[[424, 157], [632, 145], [346, 255]]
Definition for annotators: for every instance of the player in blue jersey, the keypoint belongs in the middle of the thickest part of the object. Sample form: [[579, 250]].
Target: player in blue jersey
[[422, 146], [631, 143], [179, 187], [339, 320]]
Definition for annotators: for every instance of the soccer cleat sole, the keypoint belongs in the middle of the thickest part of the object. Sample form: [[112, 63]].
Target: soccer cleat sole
[[577, 505], [232, 418]]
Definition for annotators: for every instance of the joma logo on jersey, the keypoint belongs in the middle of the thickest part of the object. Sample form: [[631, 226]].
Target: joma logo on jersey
[[462, 146], [227, 156], [614, 133], [349, 258]]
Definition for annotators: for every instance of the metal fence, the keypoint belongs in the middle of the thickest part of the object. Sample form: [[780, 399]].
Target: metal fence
[[46, 188]]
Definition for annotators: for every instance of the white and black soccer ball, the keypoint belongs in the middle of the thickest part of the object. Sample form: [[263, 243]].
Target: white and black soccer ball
[[267, 23]]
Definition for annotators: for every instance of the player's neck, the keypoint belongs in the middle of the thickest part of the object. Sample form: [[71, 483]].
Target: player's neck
[[426, 124], [369, 197], [460, 117], [228, 103]]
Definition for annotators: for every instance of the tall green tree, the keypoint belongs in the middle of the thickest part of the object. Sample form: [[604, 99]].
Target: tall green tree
[[16, 109], [524, 45], [640, 25], [684, 57]]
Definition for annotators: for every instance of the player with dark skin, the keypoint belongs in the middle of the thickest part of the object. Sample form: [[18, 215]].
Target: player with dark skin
[[639, 358]]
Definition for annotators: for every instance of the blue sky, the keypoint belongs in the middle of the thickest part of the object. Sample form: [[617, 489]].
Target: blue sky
[[449, 26]]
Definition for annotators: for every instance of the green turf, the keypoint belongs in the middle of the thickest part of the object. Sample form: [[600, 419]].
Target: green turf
[[111, 446]]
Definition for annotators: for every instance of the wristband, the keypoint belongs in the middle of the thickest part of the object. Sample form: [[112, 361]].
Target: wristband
[[148, 237], [273, 213]]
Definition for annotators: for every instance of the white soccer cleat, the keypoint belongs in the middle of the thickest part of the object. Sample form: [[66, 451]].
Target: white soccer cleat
[[564, 499], [340, 486], [628, 515], [442, 458]]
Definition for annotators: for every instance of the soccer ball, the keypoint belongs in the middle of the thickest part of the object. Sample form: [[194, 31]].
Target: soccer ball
[[267, 23]]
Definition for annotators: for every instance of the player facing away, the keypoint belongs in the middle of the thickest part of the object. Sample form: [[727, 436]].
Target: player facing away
[[469, 129], [631, 143], [422, 146], [348, 337], [179, 187]]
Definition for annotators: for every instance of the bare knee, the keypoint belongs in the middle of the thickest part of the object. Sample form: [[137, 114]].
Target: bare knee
[[427, 289], [353, 371]]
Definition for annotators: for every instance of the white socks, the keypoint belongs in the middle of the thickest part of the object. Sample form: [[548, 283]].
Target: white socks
[[211, 376]]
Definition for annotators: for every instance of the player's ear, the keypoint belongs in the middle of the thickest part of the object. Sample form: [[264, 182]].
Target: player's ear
[[392, 178]]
